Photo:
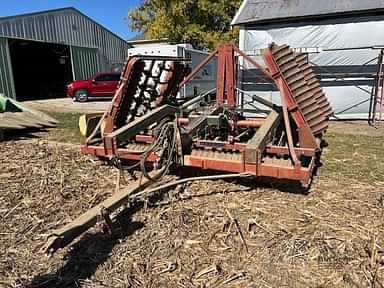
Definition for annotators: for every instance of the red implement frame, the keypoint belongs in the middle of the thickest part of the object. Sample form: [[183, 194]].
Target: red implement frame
[[256, 155]]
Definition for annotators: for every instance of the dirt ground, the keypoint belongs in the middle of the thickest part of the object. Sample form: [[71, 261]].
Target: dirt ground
[[67, 105], [243, 233]]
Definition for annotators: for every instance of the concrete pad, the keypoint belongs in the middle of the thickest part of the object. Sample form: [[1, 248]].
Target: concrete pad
[[67, 105]]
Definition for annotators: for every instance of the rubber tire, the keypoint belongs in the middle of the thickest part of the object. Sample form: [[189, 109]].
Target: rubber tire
[[81, 95]]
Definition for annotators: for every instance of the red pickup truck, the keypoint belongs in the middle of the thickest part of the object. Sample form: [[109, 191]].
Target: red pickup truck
[[101, 85]]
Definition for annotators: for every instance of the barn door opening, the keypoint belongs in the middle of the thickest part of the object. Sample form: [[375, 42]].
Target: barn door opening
[[40, 70]]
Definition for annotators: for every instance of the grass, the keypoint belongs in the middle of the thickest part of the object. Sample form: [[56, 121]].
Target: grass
[[68, 128], [354, 156]]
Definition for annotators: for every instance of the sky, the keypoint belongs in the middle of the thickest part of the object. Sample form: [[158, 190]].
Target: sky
[[110, 13]]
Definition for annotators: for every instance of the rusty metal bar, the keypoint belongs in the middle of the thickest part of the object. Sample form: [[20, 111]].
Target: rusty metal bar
[[141, 123], [280, 150], [254, 63], [62, 237], [249, 123], [258, 99], [198, 68], [196, 99], [259, 140]]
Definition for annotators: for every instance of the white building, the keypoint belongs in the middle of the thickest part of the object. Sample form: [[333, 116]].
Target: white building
[[342, 37]]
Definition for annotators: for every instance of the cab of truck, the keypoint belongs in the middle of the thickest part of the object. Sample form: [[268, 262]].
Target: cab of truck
[[102, 85]]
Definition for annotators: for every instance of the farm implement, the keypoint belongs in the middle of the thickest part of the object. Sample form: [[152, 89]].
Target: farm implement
[[147, 128], [15, 116]]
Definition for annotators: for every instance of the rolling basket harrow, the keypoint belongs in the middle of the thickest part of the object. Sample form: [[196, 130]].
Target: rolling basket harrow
[[148, 128]]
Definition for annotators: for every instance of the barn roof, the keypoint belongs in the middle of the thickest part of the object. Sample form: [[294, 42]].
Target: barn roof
[[14, 20], [262, 11]]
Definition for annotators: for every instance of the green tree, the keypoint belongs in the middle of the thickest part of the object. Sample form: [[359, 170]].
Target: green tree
[[203, 23]]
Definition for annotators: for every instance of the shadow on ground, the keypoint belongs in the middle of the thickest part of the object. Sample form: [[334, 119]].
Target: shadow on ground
[[85, 256], [23, 134]]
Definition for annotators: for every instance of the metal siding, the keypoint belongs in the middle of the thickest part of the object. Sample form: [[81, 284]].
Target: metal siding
[[261, 10], [70, 27], [85, 62], [6, 75], [346, 57]]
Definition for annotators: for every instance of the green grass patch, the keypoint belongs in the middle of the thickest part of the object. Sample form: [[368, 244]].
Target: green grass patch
[[354, 156], [68, 128]]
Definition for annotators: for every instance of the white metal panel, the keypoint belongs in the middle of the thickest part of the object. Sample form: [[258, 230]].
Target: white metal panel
[[155, 50], [346, 36], [344, 44]]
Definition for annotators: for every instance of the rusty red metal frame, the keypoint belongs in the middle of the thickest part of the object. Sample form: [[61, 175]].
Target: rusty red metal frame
[[226, 96], [294, 160], [307, 139]]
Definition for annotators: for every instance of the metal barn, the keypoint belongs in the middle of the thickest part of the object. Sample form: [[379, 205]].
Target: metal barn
[[343, 39], [41, 52]]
